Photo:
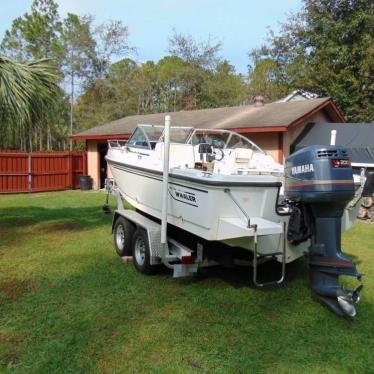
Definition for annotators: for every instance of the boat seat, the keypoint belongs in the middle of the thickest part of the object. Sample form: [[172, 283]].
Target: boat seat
[[243, 157], [262, 161]]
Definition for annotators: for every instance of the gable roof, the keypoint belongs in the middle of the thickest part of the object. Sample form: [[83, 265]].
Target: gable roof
[[276, 116]]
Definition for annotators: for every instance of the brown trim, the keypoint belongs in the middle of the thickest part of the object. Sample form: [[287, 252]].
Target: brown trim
[[99, 137], [328, 103], [243, 130], [337, 111], [280, 147]]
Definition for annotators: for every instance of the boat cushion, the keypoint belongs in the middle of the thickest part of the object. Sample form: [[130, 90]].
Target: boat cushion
[[243, 155]]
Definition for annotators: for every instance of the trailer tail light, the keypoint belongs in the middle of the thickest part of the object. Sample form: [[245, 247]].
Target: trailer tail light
[[340, 163], [188, 260]]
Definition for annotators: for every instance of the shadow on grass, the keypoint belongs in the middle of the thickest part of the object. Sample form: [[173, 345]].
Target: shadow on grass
[[242, 276], [22, 225], [77, 217]]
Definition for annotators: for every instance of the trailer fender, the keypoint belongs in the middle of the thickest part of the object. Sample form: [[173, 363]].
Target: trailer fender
[[115, 217]]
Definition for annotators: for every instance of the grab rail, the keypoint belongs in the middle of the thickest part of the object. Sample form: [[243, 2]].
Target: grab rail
[[228, 191]]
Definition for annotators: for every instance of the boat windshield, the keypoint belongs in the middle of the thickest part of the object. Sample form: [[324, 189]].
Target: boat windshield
[[147, 136], [222, 139], [180, 134]]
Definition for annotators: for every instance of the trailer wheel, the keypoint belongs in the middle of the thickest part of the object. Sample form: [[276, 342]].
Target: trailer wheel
[[140, 252], [123, 232]]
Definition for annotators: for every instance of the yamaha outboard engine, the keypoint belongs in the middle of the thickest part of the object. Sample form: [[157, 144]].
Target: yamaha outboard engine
[[319, 182]]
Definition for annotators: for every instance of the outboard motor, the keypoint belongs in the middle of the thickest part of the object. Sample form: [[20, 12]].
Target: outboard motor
[[319, 181]]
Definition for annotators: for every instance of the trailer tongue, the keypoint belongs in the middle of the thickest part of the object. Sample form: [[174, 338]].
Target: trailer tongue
[[319, 180]]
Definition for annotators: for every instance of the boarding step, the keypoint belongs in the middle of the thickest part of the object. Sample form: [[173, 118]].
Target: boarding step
[[230, 228], [272, 255], [257, 257]]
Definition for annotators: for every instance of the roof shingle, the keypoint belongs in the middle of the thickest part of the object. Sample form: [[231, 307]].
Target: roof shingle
[[270, 115]]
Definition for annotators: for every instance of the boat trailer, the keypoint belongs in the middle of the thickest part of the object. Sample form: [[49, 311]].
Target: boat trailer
[[323, 194], [182, 259]]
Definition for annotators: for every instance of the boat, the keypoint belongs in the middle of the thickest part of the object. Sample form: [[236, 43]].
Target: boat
[[208, 172], [223, 191]]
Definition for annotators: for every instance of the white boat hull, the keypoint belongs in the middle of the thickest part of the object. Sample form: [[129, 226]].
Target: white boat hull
[[206, 210]]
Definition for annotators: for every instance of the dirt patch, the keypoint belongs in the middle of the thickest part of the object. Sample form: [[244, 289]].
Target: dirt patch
[[10, 347], [12, 222], [194, 363], [14, 288], [7, 226], [59, 227]]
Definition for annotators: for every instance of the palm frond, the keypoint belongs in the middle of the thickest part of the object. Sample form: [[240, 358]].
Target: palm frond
[[26, 90]]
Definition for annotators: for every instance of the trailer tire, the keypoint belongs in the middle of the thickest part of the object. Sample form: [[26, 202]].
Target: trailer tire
[[141, 255], [123, 233]]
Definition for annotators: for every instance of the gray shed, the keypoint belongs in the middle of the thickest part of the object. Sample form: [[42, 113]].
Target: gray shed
[[357, 138]]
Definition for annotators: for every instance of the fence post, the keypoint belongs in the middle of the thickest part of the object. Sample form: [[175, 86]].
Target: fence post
[[30, 171], [70, 170]]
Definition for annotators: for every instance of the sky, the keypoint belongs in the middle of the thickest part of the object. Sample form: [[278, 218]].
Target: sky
[[241, 25]]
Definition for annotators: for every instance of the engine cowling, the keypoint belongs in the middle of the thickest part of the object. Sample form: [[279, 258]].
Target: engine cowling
[[319, 174]]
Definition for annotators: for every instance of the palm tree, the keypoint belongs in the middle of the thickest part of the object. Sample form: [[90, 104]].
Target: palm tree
[[27, 91]]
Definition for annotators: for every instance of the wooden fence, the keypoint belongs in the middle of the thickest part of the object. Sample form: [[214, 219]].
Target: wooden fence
[[40, 171]]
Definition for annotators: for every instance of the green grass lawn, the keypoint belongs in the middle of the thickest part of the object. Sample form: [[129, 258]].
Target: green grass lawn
[[68, 304]]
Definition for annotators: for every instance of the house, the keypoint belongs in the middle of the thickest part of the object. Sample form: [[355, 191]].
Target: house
[[299, 95], [272, 126]]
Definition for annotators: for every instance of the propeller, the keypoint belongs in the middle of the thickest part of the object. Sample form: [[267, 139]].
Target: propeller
[[347, 299]]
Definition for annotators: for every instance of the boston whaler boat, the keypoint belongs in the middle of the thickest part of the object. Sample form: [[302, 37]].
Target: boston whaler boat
[[207, 197]]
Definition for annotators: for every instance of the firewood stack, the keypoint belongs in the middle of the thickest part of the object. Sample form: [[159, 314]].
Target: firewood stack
[[366, 211]]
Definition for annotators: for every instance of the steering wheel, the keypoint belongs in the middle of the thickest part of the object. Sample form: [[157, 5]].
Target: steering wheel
[[218, 154]]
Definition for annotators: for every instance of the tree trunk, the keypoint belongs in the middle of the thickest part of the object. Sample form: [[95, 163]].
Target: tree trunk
[[367, 202], [175, 98], [362, 213], [30, 141], [371, 214], [35, 139], [71, 109], [367, 209], [41, 139], [49, 145]]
